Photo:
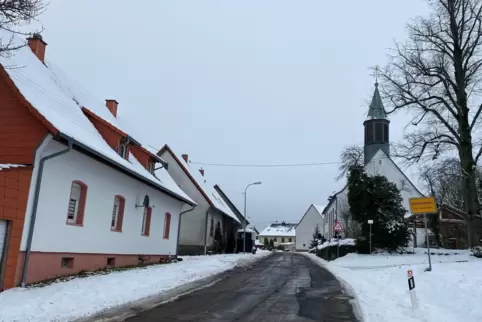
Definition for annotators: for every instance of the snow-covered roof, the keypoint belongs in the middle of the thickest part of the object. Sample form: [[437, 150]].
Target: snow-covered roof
[[279, 229], [319, 208], [207, 189], [10, 165], [60, 100]]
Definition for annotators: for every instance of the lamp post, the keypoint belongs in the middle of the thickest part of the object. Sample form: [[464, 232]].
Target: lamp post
[[245, 225]]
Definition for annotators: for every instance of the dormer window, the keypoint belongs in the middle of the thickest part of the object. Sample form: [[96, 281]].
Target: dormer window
[[122, 148], [151, 167]]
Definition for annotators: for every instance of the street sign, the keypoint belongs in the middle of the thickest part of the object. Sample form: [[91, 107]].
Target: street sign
[[420, 206], [338, 227], [370, 221]]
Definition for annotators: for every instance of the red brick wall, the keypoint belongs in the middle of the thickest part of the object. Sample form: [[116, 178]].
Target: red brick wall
[[20, 131], [44, 266], [14, 187]]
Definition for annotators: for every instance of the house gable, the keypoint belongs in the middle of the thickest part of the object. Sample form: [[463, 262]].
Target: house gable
[[21, 131]]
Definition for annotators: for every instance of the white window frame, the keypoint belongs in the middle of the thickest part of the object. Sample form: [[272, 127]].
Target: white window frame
[[115, 213], [76, 200], [151, 167]]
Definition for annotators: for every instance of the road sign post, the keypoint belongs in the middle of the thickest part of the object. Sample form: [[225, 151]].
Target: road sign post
[[338, 228], [370, 222], [424, 206], [411, 289]]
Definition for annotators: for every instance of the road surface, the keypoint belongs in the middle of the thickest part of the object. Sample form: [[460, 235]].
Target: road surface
[[281, 287]]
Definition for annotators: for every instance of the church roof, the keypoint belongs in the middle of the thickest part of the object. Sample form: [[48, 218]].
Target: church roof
[[376, 111]]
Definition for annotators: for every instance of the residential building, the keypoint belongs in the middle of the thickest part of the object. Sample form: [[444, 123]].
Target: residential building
[[312, 218], [279, 233], [198, 228], [377, 161], [244, 221], [77, 192]]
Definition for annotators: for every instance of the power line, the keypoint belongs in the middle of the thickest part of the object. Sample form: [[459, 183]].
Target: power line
[[265, 165]]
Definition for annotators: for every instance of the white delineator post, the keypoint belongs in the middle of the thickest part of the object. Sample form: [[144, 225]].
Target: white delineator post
[[411, 289], [370, 222]]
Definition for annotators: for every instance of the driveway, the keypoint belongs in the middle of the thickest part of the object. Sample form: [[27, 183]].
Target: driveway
[[282, 287]]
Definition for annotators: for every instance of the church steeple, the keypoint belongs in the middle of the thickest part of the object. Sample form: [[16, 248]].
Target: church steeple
[[376, 128]]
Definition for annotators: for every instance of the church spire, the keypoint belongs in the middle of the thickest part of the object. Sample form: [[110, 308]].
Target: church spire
[[376, 110]]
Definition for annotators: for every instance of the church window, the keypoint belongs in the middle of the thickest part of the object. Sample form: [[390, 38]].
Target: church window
[[379, 132], [385, 128], [369, 133]]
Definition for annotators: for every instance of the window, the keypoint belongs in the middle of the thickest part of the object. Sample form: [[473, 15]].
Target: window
[[290, 239], [117, 214], [379, 132], [67, 262], [369, 133], [146, 221], [385, 131], [282, 239], [110, 261], [122, 148], [78, 195], [151, 167], [274, 239], [167, 225]]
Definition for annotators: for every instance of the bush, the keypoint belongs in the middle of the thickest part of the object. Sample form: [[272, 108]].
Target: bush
[[330, 253], [476, 251], [362, 245]]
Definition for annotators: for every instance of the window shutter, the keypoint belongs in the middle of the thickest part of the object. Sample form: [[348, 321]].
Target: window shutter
[[167, 226], [120, 215], [148, 221], [83, 198]]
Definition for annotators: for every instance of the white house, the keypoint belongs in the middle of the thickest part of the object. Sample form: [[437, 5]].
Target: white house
[[377, 162], [87, 197], [198, 227], [305, 228], [279, 233]]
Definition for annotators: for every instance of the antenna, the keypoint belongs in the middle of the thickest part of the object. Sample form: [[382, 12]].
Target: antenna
[[145, 202]]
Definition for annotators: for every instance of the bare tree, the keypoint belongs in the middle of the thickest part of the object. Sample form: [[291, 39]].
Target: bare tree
[[436, 76], [350, 156], [14, 13]]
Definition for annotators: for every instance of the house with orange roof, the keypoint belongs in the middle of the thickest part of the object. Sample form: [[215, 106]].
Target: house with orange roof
[[77, 191]]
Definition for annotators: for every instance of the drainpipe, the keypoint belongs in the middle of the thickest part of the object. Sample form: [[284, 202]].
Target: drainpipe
[[179, 228], [35, 206], [206, 233]]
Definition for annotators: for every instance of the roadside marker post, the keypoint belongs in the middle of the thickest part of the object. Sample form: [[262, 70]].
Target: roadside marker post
[[424, 206], [411, 290], [370, 222]]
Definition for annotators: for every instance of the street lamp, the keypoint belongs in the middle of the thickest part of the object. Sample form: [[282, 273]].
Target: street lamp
[[245, 225]]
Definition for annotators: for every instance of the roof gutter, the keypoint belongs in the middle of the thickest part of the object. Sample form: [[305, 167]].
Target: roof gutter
[[103, 157], [179, 228], [35, 207]]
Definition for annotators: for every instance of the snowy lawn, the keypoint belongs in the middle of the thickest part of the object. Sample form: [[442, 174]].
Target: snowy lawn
[[452, 291], [80, 297]]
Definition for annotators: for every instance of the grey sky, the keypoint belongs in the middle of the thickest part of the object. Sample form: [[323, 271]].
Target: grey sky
[[237, 82]]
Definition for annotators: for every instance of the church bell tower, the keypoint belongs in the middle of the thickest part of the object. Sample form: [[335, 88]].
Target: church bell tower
[[377, 128]]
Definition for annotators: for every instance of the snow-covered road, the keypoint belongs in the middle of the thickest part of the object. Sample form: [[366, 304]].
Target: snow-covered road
[[80, 297]]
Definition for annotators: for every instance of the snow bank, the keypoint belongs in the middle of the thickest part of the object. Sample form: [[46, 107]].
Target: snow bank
[[80, 297], [334, 242], [451, 292]]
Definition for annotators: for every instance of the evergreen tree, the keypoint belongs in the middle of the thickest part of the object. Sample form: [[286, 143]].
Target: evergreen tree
[[378, 199], [271, 244], [316, 237], [266, 243]]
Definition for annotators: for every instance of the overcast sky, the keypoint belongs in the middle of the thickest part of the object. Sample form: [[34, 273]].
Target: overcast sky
[[237, 82]]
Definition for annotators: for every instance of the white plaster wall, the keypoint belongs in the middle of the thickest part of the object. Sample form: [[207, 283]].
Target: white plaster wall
[[380, 164], [306, 228], [52, 234], [193, 224]]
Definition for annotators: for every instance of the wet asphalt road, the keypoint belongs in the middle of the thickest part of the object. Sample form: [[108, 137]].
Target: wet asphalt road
[[281, 287]]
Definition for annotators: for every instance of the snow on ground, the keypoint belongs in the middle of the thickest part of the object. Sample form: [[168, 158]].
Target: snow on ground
[[452, 291], [80, 297]]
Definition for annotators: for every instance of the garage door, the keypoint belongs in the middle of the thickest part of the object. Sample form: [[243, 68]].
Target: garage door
[[3, 235]]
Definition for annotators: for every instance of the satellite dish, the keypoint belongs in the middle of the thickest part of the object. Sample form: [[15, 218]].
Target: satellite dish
[[145, 203]]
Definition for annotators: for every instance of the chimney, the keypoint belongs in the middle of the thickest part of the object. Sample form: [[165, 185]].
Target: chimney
[[37, 45], [112, 106], [185, 157], [202, 171]]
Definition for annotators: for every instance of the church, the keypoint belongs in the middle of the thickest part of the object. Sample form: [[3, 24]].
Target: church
[[377, 161]]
